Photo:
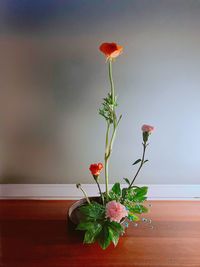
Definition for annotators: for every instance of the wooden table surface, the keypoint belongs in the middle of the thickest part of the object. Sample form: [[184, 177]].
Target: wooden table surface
[[36, 233]]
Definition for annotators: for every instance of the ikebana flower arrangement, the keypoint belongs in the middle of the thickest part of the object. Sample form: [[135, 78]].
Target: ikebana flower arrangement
[[102, 217]]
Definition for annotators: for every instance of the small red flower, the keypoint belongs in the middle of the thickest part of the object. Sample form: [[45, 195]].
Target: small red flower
[[111, 50], [96, 168]]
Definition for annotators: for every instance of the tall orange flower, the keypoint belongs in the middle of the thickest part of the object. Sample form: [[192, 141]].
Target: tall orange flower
[[111, 50]]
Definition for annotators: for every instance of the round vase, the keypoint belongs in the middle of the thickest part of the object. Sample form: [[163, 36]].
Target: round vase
[[74, 214]]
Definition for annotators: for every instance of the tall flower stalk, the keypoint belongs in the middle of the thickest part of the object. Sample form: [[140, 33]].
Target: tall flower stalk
[[108, 110], [108, 148]]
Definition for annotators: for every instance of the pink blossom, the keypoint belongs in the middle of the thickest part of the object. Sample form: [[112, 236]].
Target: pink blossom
[[115, 211], [147, 128]]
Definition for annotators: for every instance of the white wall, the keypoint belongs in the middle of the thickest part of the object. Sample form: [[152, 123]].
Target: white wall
[[53, 79]]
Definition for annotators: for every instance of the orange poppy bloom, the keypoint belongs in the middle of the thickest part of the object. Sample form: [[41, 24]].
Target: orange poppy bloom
[[111, 50], [96, 168]]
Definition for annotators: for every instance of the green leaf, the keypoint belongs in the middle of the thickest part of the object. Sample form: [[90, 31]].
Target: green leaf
[[141, 190], [116, 189], [138, 208], [115, 192], [132, 217], [111, 232], [115, 230], [93, 211], [91, 235], [106, 109], [136, 194], [116, 227], [145, 161], [114, 236], [84, 226], [127, 181], [124, 190], [89, 238], [137, 161], [136, 199], [104, 237]]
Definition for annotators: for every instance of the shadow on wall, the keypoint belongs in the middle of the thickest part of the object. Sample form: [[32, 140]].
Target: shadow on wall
[[36, 97]]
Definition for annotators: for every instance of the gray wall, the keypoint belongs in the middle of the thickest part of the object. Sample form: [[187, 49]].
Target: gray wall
[[52, 80]]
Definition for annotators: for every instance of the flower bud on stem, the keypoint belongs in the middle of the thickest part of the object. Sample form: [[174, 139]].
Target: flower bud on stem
[[84, 193]]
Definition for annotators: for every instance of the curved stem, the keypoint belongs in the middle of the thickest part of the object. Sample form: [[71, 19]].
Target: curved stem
[[84, 193], [113, 135], [111, 141], [102, 197], [141, 164]]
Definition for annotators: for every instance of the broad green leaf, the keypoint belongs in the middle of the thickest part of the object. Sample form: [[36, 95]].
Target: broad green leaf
[[83, 226], [110, 232], [116, 189], [136, 194], [140, 194], [91, 235], [94, 211], [114, 236], [140, 199], [138, 209], [137, 161], [135, 199], [89, 238], [117, 227], [104, 237], [141, 190], [115, 192]]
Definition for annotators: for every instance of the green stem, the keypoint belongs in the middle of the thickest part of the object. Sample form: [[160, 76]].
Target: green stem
[[106, 158], [107, 137], [100, 192], [141, 164], [115, 124], [111, 141], [111, 81], [106, 176], [113, 135], [84, 193]]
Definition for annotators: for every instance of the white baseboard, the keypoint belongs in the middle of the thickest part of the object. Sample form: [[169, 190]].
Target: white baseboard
[[69, 191]]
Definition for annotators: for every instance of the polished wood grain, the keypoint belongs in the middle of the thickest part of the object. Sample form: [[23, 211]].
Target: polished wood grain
[[36, 233]]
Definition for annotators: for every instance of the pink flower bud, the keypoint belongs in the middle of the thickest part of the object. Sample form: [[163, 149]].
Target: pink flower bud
[[147, 128]]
